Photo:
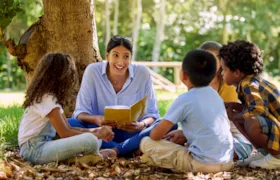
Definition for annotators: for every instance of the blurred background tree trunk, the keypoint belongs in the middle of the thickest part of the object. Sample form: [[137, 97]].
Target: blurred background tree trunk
[[107, 21], [160, 17], [136, 27], [116, 17]]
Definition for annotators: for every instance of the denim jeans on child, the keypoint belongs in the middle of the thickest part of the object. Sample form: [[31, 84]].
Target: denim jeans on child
[[125, 142], [42, 149]]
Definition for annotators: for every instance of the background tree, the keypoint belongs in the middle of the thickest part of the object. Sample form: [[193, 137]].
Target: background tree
[[160, 16], [66, 26], [116, 17], [136, 25], [188, 23], [107, 21], [62, 28]]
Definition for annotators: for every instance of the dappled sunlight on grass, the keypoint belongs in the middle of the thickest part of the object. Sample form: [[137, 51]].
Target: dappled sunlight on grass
[[11, 98]]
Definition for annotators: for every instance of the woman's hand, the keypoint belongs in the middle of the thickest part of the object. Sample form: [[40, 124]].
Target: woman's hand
[[112, 124], [132, 127], [104, 132], [101, 122], [176, 136]]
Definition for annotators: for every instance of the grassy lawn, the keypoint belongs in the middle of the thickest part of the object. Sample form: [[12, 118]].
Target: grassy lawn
[[11, 113]]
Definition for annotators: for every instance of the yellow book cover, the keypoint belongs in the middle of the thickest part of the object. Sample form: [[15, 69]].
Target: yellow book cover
[[126, 114]]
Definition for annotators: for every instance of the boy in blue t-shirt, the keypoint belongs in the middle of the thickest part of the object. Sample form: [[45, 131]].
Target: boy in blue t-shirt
[[205, 143]]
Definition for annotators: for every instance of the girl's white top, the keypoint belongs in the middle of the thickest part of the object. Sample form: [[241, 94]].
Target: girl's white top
[[35, 118]]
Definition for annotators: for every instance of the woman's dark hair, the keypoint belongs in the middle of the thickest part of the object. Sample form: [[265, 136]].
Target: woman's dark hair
[[242, 55], [117, 41], [56, 75], [213, 46], [200, 66]]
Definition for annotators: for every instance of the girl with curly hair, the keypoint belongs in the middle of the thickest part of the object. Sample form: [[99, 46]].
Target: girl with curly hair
[[52, 88]]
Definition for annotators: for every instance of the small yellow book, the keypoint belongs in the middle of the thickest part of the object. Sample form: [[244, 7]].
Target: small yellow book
[[125, 114]]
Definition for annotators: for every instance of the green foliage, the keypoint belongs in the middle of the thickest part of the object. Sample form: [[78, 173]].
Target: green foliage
[[9, 122], [11, 76], [163, 106], [188, 23], [8, 10]]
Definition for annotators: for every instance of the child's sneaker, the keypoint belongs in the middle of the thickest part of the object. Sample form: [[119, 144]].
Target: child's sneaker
[[87, 159], [268, 162], [253, 157]]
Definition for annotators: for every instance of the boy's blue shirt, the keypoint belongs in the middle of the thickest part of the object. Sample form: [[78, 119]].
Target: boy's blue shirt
[[205, 124]]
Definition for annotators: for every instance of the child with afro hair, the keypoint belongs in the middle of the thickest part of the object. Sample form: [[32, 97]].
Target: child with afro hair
[[257, 117]]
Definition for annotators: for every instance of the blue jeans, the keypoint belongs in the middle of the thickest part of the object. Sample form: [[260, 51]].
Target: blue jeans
[[42, 149], [125, 142]]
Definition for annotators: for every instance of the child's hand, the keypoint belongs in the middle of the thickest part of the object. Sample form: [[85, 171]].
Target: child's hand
[[230, 113], [105, 133], [238, 107], [101, 122], [176, 136], [98, 120]]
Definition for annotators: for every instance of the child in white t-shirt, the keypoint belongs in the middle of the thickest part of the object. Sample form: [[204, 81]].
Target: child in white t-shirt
[[53, 85], [204, 121]]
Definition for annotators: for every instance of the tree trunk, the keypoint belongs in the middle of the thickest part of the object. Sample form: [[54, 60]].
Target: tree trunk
[[107, 21], [136, 28], [66, 26], [116, 17], [160, 16]]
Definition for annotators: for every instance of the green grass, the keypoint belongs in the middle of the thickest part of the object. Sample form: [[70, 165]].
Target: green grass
[[9, 122]]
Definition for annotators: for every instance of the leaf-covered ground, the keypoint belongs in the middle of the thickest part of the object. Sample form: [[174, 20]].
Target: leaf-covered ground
[[15, 168]]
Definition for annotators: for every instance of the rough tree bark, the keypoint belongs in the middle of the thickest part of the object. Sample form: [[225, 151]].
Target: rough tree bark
[[66, 26]]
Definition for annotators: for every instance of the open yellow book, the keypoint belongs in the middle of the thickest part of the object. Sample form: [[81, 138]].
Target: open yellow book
[[125, 114]]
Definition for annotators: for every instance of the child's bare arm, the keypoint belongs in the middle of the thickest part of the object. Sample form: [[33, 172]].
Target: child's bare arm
[[64, 129], [238, 117], [61, 125], [161, 129]]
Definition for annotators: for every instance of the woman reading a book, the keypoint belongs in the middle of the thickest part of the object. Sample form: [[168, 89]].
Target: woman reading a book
[[116, 82]]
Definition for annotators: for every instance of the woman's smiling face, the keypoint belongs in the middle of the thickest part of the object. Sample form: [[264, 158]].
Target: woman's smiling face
[[119, 60]]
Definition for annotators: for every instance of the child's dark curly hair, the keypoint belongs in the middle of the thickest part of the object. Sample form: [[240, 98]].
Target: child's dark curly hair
[[242, 55], [56, 75]]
